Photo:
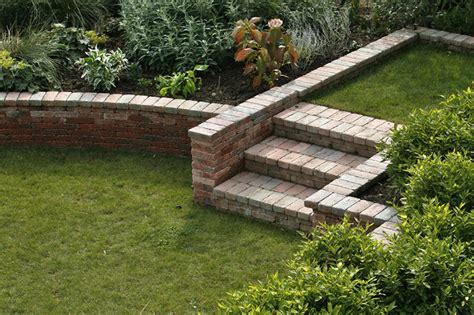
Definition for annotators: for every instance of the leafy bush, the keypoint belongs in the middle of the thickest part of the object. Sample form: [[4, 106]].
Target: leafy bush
[[435, 220], [42, 13], [70, 44], [433, 132], [175, 35], [96, 39], [450, 180], [16, 75], [180, 83], [264, 52], [33, 50], [102, 69], [454, 16], [414, 274]]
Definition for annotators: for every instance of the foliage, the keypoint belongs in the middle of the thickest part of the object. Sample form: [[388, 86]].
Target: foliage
[[449, 179], [102, 69], [414, 274], [96, 39], [70, 43], [329, 39], [42, 13], [438, 131], [32, 50], [180, 83], [16, 75], [175, 35], [454, 16], [264, 52]]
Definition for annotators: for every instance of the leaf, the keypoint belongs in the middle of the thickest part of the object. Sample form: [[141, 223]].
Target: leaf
[[256, 35], [255, 20], [243, 54], [257, 81], [249, 68]]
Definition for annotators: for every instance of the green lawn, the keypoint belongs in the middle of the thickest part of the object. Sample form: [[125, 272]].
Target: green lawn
[[98, 231], [412, 79]]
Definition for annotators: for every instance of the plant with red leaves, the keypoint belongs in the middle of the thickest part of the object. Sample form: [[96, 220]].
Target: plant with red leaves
[[264, 52]]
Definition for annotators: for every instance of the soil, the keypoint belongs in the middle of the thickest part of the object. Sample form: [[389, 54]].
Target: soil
[[382, 192]]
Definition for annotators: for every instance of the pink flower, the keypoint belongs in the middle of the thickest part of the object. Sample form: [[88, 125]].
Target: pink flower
[[274, 23]]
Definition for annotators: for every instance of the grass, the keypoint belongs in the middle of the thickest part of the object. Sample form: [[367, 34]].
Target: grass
[[415, 78], [99, 231]]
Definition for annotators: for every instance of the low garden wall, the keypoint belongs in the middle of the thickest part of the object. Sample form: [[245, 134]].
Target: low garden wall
[[63, 119]]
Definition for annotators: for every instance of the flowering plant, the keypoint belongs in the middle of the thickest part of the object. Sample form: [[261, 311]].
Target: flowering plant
[[264, 52]]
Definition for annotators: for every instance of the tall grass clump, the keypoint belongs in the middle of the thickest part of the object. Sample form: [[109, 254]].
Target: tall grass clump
[[41, 13]]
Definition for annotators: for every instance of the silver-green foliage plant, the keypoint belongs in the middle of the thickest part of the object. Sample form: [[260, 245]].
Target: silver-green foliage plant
[[180, 83], [174, 35], [101, 69]]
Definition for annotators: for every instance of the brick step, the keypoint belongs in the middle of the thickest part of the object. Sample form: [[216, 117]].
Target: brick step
[[299, 162], [332, 128], [268, 199]]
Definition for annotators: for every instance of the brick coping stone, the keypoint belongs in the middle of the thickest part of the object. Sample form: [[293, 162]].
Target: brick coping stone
[[113, 101]]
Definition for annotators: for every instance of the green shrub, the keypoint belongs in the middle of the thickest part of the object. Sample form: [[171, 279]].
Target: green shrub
[[16, 75], [42, 13], [450, 180], [175, 35], [33, 50], [180, 83], [343, 271], [433, 132], [425, 275], [102, 69], [71, 44], [453, 16], [435, 220]]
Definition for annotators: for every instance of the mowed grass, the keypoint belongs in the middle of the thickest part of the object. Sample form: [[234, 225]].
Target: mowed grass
[[108, 232], [415, 78]]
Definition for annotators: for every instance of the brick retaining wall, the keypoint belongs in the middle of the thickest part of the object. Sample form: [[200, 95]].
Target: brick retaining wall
[[101, 120]]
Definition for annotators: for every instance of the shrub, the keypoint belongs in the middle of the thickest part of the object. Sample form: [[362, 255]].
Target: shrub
[[435, 220], [180, 83], [264, 52], [450, 180], [454, 16], [70, 43], [42, 13], [16, 75], [33, 50], [175, 35], [97, 39], [414, 274], [102, 69], [439, 131]]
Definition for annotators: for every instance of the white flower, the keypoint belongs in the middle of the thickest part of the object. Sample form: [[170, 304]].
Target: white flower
[[274, 23]]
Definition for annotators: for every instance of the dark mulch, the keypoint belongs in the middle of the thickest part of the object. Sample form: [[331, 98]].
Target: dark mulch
[[382, 192]]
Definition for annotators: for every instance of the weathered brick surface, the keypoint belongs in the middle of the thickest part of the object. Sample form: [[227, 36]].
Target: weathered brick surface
[[80, 120]]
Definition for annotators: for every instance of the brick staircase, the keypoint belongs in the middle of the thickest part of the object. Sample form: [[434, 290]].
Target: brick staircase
[[311, 170]]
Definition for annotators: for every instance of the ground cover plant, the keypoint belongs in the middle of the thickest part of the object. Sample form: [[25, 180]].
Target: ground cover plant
[[98, 231], [416, 78], [428, 268]]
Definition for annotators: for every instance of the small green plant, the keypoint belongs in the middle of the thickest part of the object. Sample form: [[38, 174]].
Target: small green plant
[[102, 69], [264, 52], [97, 39], [16, 75], [70, 42], [180, 83]]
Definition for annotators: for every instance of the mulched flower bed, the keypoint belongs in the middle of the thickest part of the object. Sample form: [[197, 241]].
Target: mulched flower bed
[[383, 192]]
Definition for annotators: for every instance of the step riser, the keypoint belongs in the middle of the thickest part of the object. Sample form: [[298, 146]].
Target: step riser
[[288, 175], [324, 141], [261, 214]]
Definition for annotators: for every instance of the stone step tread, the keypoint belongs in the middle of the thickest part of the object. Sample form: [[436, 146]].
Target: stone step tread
[[267, 193], [303, 157], [337, 124]]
